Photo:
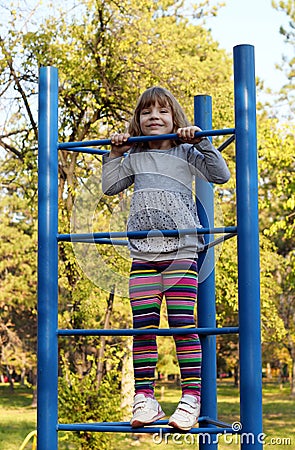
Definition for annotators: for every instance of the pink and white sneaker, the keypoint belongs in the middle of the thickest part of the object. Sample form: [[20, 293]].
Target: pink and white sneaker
[[187, 413], [145, 410]]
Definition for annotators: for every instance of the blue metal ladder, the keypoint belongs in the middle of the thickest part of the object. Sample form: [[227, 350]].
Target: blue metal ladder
[[248, 268]]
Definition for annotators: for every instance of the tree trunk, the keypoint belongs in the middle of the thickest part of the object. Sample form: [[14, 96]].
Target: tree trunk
[[293, 378], [127, 384], [10, 380], [34, 386], [99, 372], [236, 374], [291, 350], [268, 371], [23, 376]]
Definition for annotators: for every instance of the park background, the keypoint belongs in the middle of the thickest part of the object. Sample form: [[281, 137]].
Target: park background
[[107, 53]]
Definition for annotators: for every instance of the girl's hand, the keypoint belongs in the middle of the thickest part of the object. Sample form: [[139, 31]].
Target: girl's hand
[[118, 144], [187, 134]]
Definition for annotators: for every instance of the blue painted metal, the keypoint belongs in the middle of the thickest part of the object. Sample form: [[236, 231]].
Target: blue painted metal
[[226, 143], [248, 243], [105, 241], [143, 234], [151, 429], [102, 142], [99, 151], [91, 151], [125, 242], [206, 290], [156, 331], [217, 423], [248, 262], [47, 260]]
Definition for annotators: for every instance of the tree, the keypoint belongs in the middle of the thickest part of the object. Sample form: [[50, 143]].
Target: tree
[[278, 200], [18, 283], [288, 66], [119, 61], [124, 48]]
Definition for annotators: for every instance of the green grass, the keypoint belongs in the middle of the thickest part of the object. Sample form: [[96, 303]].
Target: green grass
[[278, 418], [278, 414], [17, 419]]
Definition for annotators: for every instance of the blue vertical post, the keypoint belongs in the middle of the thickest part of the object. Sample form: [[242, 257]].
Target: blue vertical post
[[248, 245], [206, 290], [47, 260]]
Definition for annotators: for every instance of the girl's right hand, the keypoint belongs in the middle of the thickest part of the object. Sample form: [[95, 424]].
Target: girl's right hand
[[119, 146]]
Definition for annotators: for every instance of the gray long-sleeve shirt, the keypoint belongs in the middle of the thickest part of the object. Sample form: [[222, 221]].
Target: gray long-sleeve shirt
[[163, 197]]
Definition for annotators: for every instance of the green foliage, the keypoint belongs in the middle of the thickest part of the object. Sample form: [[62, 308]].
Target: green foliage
[[122, 48], [277, 194], [227, 290], [17, 420], [17, 284], [277, 190], [167, 363], [81, 401], [288, 64]]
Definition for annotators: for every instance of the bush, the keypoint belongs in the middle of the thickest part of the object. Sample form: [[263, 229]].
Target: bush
[[81, 401]]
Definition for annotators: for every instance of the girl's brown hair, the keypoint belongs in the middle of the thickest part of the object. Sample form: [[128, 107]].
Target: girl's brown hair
[[164, 98]]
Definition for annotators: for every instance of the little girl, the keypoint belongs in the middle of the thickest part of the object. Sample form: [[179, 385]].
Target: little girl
[[162, 172]]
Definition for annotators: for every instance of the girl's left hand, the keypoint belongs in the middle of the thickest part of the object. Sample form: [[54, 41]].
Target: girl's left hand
[[187, 134]]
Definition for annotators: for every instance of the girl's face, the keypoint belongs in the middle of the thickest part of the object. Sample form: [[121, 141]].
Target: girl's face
[[155, 120]]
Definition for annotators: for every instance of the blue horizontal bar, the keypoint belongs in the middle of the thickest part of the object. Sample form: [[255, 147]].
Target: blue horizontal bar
[[157, 331], [102, 241], [215, 422], [202, 419], [103, 427], [99, 151], [143, 233], [91, 151], [125, 242], [161, 137]]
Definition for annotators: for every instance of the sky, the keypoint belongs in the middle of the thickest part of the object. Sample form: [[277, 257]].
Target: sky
[[253, 22], [257, 23]]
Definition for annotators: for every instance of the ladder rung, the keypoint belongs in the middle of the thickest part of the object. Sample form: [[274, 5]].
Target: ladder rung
[[156, 331], [80, 237], [125, 427]]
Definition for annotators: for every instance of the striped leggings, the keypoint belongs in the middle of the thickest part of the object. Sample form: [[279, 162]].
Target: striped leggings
[[149, 282]]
